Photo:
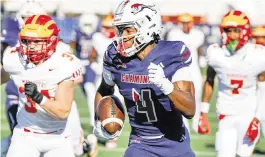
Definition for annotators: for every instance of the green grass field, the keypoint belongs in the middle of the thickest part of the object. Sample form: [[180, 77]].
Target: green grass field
[[202, 145]]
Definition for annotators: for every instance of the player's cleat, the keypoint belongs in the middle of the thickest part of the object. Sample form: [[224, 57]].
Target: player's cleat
[[111, 144], [90, 145]]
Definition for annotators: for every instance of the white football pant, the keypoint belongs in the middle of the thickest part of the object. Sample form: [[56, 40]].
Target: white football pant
[[30, 144], [230, 137], [74, 127]]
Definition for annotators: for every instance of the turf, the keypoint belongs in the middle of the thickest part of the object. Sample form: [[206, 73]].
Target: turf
[[202, 145]]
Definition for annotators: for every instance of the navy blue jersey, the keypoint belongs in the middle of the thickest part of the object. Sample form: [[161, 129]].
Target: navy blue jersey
[[150, 111], [83, 44]]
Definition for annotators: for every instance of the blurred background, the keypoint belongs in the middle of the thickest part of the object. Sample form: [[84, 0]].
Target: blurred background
[[207, 16]]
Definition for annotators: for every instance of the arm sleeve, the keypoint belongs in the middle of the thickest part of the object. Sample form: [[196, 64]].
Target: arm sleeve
[[210, 75]]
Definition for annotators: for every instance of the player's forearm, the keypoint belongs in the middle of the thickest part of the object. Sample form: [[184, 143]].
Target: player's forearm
[[57, 109], [207, 92], [183, 101], [208, 85]]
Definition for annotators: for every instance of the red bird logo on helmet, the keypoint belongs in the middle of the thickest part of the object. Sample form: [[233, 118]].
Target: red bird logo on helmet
[[136, 8]]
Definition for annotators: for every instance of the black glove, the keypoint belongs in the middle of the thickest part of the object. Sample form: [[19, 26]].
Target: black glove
[[31, 91]]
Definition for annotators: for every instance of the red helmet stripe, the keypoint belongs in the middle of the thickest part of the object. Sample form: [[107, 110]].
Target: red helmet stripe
[[236, 12], [35, 18], [42, 19], [29, 20]]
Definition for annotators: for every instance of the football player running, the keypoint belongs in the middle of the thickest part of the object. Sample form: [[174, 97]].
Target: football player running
[[44, 71], [80, 144], [193, 38], [10, 38], [239, 66], [154, 77]]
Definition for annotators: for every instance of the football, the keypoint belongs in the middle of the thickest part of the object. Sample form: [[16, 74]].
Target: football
[[110, 112]]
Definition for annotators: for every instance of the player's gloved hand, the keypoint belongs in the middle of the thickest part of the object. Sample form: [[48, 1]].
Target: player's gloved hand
[[253, 130], [31, 91], [204, 125], [100, 132], [157, 76]]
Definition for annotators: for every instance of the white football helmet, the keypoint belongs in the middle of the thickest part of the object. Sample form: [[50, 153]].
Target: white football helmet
[[144, 17], [28, 9], [88, 23]]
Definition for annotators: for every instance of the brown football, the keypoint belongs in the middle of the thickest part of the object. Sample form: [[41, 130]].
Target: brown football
[[110, 112]]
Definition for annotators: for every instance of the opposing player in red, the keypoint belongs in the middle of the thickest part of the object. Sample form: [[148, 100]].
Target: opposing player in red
[[239, 66]]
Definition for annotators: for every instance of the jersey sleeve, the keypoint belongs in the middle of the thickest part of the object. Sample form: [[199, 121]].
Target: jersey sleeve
[[11, 61], [70, 65], [184, 55], [75, 70], [214, 55]]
